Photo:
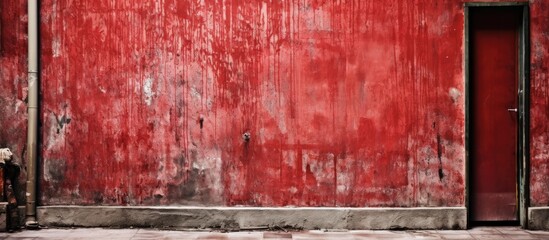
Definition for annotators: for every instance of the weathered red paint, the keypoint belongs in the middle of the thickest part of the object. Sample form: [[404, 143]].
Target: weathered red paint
[[13, 79], [539, 109], [348, 103]]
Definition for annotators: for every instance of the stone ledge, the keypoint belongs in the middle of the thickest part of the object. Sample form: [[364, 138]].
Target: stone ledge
[[253, 217], [538, 218]]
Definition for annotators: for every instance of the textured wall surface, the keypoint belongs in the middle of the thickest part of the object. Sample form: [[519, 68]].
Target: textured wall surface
[[347, 103], [539, 110], [13, 81]]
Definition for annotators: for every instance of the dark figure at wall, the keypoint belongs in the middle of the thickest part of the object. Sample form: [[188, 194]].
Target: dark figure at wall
[[11, 173]]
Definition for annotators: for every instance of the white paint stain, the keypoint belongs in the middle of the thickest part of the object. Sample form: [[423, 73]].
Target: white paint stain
[[195, 94], [454, 94], [148, 90], [540, 149], [293, 190], [289, 158], [56, 47], [18, 106], [47, 174]]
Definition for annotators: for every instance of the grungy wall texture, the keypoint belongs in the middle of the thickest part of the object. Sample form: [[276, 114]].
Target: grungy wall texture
[[539, 110], [346, 103], [13, 80]]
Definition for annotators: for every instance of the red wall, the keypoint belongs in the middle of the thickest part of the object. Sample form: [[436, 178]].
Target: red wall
[[539, 125], [13, 80], [348, 103]]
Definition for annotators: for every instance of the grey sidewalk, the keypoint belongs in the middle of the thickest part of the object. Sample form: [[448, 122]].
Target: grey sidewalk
[[98, 233]]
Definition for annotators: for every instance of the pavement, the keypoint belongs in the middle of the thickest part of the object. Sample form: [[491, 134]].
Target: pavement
[[145, 234]]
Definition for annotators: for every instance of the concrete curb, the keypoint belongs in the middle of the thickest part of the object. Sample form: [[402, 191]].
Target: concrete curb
[[254, 217], [538, 218]]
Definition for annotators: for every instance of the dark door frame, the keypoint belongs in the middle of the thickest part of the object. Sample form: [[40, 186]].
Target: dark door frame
[[523, 158]]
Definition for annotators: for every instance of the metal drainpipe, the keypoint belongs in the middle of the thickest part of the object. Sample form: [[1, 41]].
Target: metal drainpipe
[[30, 221]]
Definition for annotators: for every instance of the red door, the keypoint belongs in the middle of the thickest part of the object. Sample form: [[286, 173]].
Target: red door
[[494, 59]]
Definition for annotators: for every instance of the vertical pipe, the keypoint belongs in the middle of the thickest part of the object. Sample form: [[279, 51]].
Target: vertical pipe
[[30, 220], [467, 113]]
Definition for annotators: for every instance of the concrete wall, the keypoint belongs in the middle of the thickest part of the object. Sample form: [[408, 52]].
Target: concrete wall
[[347, 103]]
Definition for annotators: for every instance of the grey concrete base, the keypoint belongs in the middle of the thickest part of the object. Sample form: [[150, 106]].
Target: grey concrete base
[[250, 217], [538, 218]]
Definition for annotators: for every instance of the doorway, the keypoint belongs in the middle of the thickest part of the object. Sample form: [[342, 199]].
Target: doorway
[[496, 117]]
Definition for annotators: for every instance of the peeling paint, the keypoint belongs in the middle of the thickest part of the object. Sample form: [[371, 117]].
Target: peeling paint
[[56, 47], [148, 91], [455, 95], [340, 99]]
